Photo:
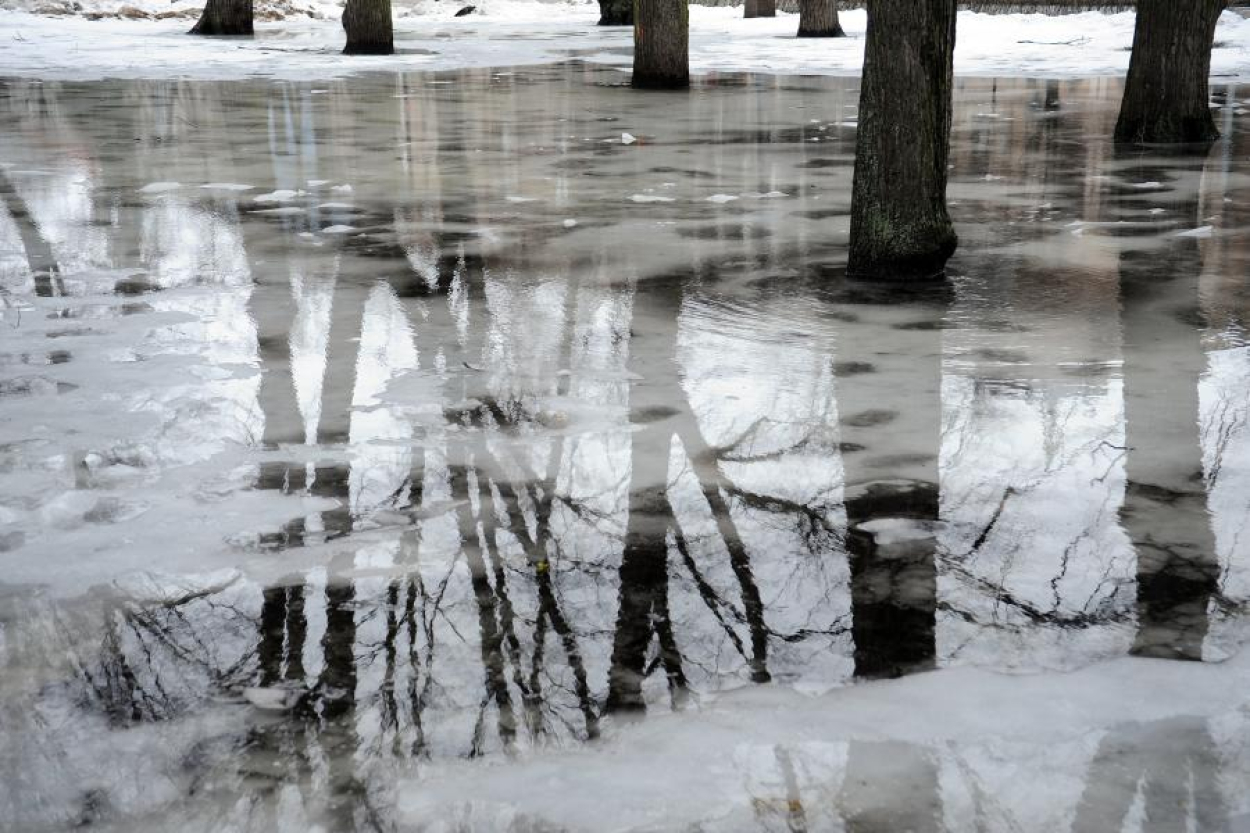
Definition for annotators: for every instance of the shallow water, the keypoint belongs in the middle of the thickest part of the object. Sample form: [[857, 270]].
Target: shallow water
[[352, 431]]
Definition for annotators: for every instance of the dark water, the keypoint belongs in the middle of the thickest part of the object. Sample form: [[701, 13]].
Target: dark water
[[470, 429]]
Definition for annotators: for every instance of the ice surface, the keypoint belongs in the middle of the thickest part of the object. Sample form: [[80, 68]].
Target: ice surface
[[477, 517]]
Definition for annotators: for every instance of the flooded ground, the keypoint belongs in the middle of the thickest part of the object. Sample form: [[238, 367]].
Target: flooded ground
[[374, 454]]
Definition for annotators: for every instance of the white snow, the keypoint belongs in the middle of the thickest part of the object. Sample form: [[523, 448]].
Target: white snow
[[522, 32]]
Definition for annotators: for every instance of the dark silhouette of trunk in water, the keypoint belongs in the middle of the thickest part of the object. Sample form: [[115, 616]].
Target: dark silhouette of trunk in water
[[39, 256], [658, 408], [661, 44], [616, 12], [1166, 96], [1165, 509], [893, 434], [369, 28], [900, 229], [819, 19], [225, 17]]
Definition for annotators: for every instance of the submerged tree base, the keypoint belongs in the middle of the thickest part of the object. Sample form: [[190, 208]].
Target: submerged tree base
[[1198, 130], [369, 49], [821, 33], [659, 82], [929, 265]]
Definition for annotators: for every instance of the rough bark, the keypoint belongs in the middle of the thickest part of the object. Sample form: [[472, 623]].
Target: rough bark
[[616, 12], [661, 44], [819, 19], [900, 229], [369, 28], [759, 8], [1166, 96], [225, 17]]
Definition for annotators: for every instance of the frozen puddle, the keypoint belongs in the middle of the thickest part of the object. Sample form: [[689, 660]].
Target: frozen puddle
[[408, 457]]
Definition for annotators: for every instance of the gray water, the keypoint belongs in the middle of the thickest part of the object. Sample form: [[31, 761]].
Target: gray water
[[469, 429]]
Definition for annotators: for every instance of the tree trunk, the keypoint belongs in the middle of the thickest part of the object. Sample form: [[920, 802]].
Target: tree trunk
[[900, 229], [1165, 96], [368, 27], [819, 19], [225, 17], [661, 44], [616, 12], [759, 8]]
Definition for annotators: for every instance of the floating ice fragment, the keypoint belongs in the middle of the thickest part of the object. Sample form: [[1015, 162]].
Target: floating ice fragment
[[286, 209], [513, 198], [271, 699], [342, 189], [329, 206], [628, 138], [721, 198], [570, 223], [280, 195], [317, 183], [158, 187], [651, 198], [1200, 232], [338, 229], [1146, 185], [228, 186]]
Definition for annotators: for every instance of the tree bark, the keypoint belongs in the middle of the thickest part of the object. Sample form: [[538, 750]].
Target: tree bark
[[819, 19], [616, 12], [369, 28], [1166, 96], [661, 44], [225, 17], [900, 229], [759, 8]]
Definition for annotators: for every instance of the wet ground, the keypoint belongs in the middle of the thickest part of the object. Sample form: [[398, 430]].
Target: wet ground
[[353, 432]]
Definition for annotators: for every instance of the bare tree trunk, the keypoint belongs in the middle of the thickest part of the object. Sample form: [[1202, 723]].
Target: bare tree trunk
[[225, 17], [900, 229], [369, 28], [1166, 95], [759, 8], [616, 12], [661, 44], [819, 19]]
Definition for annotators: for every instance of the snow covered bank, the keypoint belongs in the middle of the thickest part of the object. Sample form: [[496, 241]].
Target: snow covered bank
[[520, 32]]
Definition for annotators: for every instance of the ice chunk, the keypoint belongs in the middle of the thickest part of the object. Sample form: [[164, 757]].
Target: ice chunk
[[628, 138], [280, 195]]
